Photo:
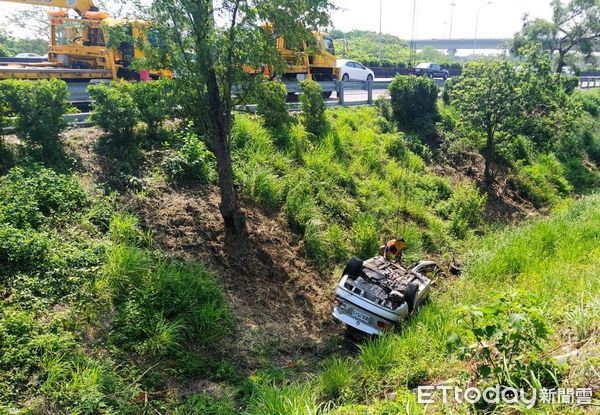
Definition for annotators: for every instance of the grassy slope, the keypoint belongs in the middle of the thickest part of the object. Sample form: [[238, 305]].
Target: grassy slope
[[556, 259], [341, 195]]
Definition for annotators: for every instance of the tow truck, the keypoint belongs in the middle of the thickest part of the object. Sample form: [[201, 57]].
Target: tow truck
[[78, 48]]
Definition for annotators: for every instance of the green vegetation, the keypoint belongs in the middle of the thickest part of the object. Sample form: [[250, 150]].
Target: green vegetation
[[553, 260], [114, 111], [271, 105], [313, 109], [385, 50], [39, 108], [11, 46], [414, 101], [352, 189], [97, 319], [85, 295]]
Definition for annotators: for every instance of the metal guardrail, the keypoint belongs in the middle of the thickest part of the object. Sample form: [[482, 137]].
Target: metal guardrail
[[589, 82]]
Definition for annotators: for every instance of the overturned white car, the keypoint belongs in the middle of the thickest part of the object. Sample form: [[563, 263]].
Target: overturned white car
[[374, 295]]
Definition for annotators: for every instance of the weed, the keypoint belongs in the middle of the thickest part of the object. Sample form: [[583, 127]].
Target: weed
[[337, 377], [365, 237], [313, 109], [542, 182], [289, 400], [191, 162]]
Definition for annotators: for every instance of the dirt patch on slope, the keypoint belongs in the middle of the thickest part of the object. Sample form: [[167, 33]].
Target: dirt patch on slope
[[504, 205], [281, 303]]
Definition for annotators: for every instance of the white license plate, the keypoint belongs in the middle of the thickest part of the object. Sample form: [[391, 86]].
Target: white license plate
[[360, 316]]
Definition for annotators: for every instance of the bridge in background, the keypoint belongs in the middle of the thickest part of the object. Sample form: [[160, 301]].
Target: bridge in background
[[460, 43]]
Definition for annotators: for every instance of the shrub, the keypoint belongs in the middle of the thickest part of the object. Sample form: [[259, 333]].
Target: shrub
[[414, 101], [365, 237], [114, 110], [542, 182], [191, 162], [154, 101], [313, 108], [33, 196], [464, 209], [590, 101], [507, 331], [39, 107], [272, 107]]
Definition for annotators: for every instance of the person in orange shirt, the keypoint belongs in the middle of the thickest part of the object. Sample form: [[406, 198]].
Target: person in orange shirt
[[393, 249]]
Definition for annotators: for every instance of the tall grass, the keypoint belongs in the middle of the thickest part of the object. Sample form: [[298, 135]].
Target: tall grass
[[555, 259], [291, 399], [360, 180]]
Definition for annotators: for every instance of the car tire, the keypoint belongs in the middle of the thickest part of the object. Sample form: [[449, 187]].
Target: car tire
[[445, 77], [346, 77], [430, 76], [369, 78], [410, 296], [354, 267]]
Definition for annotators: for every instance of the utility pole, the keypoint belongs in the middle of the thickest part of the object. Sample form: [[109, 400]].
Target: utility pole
[[477, 24], [452, 6], [380, 21], [413, 46]]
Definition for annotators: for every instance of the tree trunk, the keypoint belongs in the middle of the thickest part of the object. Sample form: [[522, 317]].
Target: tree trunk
[[233, 217], [560, 64], [489, 156]]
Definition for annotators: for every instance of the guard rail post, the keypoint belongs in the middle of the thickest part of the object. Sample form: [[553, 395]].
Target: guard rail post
[[340, 92], [369, 92]]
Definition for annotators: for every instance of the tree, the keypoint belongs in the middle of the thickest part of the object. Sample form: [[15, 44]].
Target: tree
[[574, 26], [209, 59], [485, 96]]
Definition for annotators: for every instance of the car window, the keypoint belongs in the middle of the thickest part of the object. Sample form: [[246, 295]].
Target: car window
[[359, 66], [350, 65], [328, 44]]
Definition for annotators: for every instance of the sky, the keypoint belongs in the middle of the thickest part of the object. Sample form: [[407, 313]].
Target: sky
[[500, 19]]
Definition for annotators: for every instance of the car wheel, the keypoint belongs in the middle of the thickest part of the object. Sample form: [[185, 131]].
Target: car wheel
[[370, 78], [345, 78], [445, 76], [410, 296], [430, 76], [354, 267]]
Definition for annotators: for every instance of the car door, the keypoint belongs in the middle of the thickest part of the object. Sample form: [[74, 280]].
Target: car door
[[361, 72], [349, 69]]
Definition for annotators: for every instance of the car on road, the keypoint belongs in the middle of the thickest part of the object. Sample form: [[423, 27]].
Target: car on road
[[354, 71], [28, 55], [430, 70], [376, 294]]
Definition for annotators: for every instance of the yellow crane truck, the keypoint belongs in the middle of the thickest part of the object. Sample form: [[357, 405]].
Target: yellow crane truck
[[316, 61], [78, 48]]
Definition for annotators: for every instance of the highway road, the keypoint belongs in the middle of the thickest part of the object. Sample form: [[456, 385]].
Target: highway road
[[80, 97]]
